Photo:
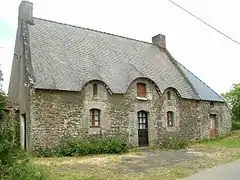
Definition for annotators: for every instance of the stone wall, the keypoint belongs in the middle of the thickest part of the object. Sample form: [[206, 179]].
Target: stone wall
[[55, 114]]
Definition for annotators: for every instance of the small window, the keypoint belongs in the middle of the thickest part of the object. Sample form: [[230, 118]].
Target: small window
[[169, 95], [95, 118], [211, 104], [170, 119], [141, 90], [95, 89]]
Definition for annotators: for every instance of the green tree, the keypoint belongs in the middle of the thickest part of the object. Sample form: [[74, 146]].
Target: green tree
[[2, 96], [233, 99]]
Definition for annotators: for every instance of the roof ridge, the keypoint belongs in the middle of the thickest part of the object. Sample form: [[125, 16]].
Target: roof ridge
[[94, 30], [201, 81]]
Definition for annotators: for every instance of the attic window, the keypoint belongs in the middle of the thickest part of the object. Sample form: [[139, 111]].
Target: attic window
[[95, 89], [141, 90], [169, 95], [212, 104]]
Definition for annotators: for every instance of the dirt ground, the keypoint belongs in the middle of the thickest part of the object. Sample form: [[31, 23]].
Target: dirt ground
[[146, 164], [130, 163]]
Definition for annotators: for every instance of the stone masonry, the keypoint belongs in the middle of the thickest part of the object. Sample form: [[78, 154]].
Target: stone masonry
[[54, 114]]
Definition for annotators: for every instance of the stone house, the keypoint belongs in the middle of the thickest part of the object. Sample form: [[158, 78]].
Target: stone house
[[72, 81]]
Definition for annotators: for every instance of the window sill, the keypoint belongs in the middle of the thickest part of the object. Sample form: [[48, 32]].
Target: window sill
[[94, 126], [171, 128], [142, 98]]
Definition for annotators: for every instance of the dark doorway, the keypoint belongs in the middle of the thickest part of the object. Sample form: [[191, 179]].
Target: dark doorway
[[142, 128]]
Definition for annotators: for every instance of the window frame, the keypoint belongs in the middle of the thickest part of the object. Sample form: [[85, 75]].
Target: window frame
[[141, 90], [95, 89], [93, 114], [170, 119], [211, 104], [142, 117], [168, 95]]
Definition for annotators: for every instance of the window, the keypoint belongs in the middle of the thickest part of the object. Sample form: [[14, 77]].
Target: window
[[95, 89], [141, 90], [94, 118], [142, 120], [169, 95], [170, 119], [212, 104]]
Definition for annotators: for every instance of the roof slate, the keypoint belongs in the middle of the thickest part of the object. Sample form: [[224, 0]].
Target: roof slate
[[66, 57], [203, 90]]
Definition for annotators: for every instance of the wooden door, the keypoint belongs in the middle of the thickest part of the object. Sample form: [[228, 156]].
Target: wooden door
[[142, 128], [213, 125]]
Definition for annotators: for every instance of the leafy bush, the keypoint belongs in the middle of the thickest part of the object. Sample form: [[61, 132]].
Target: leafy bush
[[9, 152], [44, 152], [174, 144], [235, 125], [86, 146], [14, 163]]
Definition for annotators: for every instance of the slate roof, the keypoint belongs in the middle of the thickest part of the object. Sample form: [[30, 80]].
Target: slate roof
[[66, 57]]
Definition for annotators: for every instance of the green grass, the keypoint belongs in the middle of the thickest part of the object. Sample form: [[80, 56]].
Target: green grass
[[230, 141], [223, 143]]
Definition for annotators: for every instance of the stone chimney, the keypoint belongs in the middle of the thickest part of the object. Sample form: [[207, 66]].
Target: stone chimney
[[25, 12], [159, 40]]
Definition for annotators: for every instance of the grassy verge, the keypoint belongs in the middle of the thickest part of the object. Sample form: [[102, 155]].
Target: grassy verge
[[231, 141]]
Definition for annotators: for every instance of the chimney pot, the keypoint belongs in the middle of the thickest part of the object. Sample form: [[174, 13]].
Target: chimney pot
[[159, 40]]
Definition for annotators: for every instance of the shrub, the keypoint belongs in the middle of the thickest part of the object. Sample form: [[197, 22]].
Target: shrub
[[44, 152], [174, 143], [9, 152], [85, 146], [235, 125], [14, 163]]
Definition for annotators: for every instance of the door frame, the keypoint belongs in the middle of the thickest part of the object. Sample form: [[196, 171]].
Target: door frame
[[142, 128], [213, 125], [23, 131]]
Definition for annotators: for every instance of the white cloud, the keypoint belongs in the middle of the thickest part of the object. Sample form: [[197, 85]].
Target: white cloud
[[213, 58]]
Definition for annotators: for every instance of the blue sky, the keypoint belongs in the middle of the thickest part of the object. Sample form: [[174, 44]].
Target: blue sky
[[210, 56]]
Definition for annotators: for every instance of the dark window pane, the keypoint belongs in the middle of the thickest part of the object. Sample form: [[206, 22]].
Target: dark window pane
[[95, 89], [169, 95]]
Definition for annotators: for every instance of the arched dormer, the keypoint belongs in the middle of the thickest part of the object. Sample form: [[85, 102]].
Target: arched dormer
[[144, 80], [95, 86], [170, 92]]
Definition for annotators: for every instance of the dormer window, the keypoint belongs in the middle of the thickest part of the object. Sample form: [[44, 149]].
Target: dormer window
[[212, 104], [141, 90], [169, 95], [95, 89]]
